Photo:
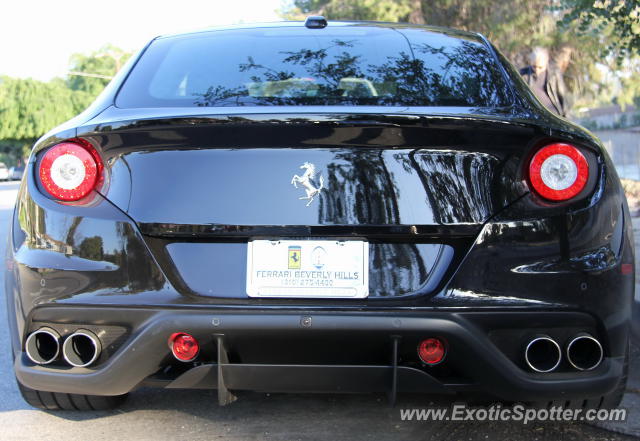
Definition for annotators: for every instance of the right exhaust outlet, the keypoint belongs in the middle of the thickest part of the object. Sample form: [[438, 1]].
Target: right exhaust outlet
[[584, 352], [81, 348]]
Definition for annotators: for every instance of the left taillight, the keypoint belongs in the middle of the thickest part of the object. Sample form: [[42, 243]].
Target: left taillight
[[69, 171]]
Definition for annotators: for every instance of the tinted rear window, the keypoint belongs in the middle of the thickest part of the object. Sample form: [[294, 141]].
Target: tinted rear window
[[291, 66]]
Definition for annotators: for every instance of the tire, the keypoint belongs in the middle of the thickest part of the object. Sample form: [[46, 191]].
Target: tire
[[610, 401], [60, 401]]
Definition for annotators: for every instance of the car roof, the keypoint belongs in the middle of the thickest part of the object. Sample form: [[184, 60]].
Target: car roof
[[342, 25]]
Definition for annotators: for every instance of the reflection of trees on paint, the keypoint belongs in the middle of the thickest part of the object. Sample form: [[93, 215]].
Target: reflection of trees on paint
[[91, 248], [363, 191], [396, 269], [456, 184], [133, 271]]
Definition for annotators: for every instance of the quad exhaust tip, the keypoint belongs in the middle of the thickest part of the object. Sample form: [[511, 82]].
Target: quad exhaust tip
[[43, 346], [584, 352], [543, 354], [81, 348]]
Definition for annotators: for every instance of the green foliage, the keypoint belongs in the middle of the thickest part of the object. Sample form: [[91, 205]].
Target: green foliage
[[85, 69], [383, 10], [600, 17], [13, 152], [310, 5], [512, 25], [601, 37], [612, 27], [380, 10], [30, 108]]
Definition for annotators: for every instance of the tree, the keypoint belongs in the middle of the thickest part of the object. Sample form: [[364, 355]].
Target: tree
[[381, 10], [598, 17], [513, 26], [581, 34], [30, 108], [92, 72]]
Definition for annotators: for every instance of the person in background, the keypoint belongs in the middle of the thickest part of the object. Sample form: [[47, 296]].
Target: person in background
[[572, 81], [562, 58], [546, 81]]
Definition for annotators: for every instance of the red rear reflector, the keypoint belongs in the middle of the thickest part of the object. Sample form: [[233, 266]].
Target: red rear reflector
[[184, 346], [69, 171], [558, 172], [431, 350], [626, 269]]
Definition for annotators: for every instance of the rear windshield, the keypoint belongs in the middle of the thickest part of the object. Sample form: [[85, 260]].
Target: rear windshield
[[290, 66]]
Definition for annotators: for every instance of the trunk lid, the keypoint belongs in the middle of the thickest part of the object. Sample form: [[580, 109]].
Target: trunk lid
[[362, 170], [417, 188]]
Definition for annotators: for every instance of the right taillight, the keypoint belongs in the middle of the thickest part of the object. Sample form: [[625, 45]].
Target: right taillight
[[558, 172], [70, 170]]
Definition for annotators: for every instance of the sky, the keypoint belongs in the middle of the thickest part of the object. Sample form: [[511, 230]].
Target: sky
[[37, 37]]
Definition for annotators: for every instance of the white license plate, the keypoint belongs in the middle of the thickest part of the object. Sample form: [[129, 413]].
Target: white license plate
[[308, 268]]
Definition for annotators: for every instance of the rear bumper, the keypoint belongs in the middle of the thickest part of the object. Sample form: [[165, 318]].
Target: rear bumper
[[482, 365]]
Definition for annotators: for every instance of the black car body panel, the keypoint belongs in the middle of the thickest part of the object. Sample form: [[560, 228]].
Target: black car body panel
[[460, 248]]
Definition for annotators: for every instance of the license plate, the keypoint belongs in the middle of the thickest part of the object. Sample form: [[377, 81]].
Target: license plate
[[308, 268]]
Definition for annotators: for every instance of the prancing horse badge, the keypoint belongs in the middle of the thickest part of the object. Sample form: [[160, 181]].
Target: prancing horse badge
[[307, 180]]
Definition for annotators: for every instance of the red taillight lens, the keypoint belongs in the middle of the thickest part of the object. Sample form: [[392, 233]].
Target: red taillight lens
[[70, 170], [558, 172], [184, 346], [431, 350]]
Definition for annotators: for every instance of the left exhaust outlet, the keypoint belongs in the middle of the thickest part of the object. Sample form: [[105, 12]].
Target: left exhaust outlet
[[43, 346], [81, 348]]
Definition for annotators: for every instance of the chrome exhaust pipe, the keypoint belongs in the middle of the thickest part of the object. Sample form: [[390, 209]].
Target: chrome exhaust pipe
[[543, 354], [43, 346], [81, 348], [584, 352]]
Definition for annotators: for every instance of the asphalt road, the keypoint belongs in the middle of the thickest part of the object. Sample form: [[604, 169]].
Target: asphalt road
[[151, 414]]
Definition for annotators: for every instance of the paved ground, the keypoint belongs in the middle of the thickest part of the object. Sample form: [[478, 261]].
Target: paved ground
[[193, 415]]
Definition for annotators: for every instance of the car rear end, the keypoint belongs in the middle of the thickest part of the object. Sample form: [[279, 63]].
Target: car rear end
[[348, 209]]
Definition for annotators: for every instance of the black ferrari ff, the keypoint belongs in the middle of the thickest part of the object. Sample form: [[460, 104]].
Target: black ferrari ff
[[320, 207]]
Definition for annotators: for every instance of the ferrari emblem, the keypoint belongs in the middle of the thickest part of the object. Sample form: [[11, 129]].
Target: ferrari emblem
[[307, 180], [295, 255]]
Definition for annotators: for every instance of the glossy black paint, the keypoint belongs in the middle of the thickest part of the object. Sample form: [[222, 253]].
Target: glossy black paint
[[375, 170], [441, 194]]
